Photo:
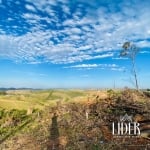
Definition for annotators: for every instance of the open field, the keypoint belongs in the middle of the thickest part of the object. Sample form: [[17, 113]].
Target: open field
[[39, 99], [27, 118]]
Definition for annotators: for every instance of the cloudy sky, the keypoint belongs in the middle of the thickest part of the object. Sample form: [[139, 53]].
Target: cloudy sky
[[72, 43]]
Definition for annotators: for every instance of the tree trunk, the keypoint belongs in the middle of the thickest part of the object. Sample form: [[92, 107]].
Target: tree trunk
[[135, 75]]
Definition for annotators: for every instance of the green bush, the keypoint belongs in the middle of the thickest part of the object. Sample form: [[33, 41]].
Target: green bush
[[2, 113], [3, 93], [110, 93]]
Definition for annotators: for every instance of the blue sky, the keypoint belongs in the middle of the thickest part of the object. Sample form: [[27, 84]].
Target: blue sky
[[72, 43]]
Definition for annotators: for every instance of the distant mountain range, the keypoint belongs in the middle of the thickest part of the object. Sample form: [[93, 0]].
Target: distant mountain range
[[6, 89]]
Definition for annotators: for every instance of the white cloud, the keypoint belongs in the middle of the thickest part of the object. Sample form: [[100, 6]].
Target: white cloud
[[120, 58], [145, 52], [85, 66], [118, 69], [29, 73], [103, 56], [30, 7], [113, 67], [89, 34], [66, 9], [143, 43]]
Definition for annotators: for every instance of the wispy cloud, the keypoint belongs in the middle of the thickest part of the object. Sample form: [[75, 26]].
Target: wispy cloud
[[85, 66], [29, 73], [145, 52], [120, 58], [53, 31], [112, 67]]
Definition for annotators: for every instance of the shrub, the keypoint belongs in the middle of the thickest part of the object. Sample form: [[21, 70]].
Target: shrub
[[3, 93], [2, 113]]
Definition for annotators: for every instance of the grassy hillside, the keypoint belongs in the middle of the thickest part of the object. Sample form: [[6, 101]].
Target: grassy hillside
[[38, 99]]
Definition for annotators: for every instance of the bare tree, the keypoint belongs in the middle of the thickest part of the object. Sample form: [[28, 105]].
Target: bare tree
[[130, 51]]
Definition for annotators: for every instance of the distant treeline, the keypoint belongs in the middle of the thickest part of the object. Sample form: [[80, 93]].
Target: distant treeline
[[6, 89]]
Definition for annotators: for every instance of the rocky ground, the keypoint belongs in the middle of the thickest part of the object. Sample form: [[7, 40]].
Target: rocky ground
[[87, 125]]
